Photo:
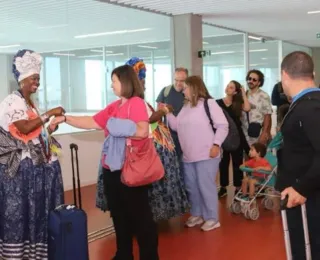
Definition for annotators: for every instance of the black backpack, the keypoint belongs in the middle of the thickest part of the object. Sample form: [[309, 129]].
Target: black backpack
[[232, 141]]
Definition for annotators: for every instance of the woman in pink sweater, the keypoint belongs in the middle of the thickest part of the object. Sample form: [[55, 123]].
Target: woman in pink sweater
[[201, 149]]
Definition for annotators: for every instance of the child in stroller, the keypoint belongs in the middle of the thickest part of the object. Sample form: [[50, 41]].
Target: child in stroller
[[258, 163], [241, 203]]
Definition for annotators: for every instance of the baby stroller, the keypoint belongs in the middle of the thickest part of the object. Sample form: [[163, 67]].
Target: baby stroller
[[264, 189]]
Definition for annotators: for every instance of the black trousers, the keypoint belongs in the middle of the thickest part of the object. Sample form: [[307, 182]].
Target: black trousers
[[237, 160], [294, 217], [132, 216]]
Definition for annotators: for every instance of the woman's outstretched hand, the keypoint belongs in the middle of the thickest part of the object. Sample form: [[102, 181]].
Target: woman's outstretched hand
[[54, 124], [58, 120]]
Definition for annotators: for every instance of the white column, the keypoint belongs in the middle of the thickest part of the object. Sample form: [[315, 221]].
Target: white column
[[187, 41]]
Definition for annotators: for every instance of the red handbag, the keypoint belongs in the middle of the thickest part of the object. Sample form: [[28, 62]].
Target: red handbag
[[142, 165]]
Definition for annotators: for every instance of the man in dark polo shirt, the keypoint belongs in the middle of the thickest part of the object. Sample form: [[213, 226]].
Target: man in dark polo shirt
[[173, 96], [299, 158]]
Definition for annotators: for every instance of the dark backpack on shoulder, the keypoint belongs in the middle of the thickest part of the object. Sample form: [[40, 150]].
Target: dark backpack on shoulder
[[232, 141]]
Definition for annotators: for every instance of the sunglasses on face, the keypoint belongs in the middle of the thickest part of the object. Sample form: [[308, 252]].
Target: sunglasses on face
[[252, 79]]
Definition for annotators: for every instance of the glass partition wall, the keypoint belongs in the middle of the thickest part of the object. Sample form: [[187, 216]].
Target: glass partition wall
[[226, 61], [80, 80], [234, 53], [264, 56]]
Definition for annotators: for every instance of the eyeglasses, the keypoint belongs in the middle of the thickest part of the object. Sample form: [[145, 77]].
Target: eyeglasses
[[252, 79]]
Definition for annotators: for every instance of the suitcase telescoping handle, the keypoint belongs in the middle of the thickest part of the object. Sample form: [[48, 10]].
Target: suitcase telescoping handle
[[283, 206], [74, 150]]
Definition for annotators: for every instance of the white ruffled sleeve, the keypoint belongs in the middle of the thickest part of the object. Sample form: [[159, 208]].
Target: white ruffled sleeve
[[13, 108]]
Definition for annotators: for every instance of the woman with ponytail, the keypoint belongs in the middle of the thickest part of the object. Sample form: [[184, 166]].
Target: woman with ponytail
[[233, 103]]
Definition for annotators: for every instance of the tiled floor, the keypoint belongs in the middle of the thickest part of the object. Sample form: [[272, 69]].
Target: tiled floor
[[238, 238]]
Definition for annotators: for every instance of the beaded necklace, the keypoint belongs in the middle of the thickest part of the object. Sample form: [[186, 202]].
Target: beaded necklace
[[44, 137]]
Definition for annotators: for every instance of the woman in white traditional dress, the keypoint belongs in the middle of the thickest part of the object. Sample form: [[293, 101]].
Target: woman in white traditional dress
[[30, 175]]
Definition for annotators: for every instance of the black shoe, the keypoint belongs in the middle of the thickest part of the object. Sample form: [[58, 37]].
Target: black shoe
[[222, 192]]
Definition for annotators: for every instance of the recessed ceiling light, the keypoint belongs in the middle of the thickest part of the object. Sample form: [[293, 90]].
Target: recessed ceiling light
[[255, 38], [161, 57], [147, 47], [258, 64], [314, 12], [101, 51], [222, 52], [115, 54], [9, 46], [258, 50], [111, 33], [64, 54]]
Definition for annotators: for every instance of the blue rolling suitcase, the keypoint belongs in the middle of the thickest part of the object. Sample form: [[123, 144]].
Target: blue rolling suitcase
[[68, 234]]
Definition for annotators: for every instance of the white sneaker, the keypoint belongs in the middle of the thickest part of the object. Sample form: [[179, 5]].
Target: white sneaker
[[194, 221], [210, 225]]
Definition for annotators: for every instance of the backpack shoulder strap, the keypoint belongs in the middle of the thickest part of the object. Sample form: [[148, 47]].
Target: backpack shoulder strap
[[167, 90], [206, 108]]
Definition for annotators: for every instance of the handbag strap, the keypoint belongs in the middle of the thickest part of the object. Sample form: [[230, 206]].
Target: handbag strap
[[206, 108], [128, 140], [149, 112], [247, 113]]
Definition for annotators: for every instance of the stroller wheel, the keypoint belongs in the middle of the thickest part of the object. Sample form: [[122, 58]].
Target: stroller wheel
[[247, 213], [230, 208], [268, 204], [254, 213], [236, 207]]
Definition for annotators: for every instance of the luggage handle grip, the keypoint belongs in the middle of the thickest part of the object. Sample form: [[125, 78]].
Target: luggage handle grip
[[284, 203], [74, 146]]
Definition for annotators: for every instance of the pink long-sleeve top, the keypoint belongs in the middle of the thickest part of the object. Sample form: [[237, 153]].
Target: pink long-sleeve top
[[195, 133]]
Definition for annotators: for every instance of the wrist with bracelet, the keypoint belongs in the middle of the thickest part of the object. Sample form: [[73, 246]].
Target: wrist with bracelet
[[44, 118]]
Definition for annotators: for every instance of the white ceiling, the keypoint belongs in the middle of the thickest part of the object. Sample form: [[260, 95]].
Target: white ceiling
[[282, 19], [51, 26]]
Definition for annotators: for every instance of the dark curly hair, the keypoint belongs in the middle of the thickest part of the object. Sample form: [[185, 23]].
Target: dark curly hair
[[260, 76]]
